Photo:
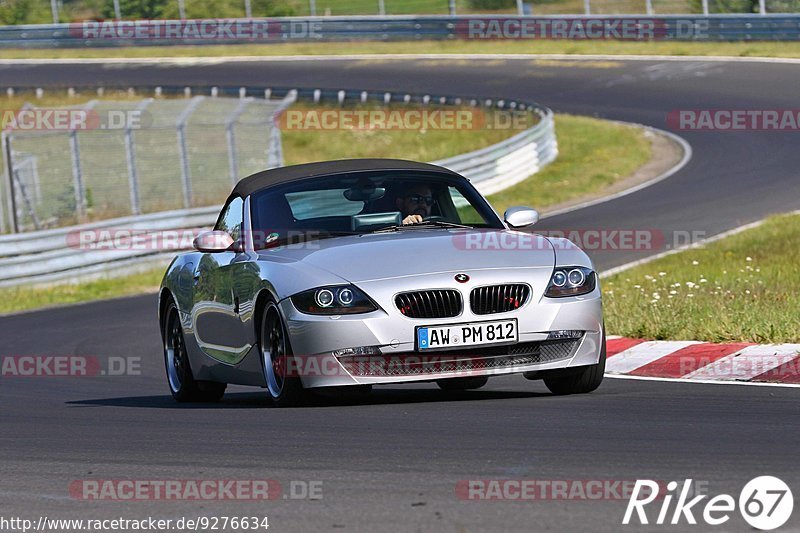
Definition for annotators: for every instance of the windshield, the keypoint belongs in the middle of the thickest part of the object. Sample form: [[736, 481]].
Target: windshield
[[359, 203]]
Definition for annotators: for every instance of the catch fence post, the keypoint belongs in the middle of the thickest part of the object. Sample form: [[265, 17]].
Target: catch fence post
[[130, 157], [183, 151], [230, 137], [8, 170]]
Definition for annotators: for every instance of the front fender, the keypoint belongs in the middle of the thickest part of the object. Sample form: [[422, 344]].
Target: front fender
[[178, 283]]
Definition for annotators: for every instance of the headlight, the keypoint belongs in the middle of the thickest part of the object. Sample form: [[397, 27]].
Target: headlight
[[339, 300], [571, 281]]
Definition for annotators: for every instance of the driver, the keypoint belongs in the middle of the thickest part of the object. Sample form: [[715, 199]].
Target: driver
[[415, 204]]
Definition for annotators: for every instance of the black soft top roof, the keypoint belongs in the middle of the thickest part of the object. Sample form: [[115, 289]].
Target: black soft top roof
[[275, 176]]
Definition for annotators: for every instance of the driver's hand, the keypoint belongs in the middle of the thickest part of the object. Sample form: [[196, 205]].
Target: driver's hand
[[412, 219]]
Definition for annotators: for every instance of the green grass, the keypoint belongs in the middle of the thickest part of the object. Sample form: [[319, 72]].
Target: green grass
[[585, 145], [393, 7], [737, 49], [593, 154], [15, 299], [303, 146], [38, 11], [742, 288], [464, 7]]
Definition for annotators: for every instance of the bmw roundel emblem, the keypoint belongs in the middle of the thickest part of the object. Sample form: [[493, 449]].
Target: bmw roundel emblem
[[462, 278]]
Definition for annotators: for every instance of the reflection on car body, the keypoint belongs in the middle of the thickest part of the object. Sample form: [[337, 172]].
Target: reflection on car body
[[347, 273]]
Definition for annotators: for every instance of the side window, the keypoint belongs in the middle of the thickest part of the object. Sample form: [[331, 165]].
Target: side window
[[467, 213], [230, 219], [322, 203]]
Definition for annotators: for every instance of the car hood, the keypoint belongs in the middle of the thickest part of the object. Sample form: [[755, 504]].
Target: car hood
[[415, 252]]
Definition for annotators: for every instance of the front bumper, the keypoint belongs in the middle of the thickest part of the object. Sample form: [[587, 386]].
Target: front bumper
[[315, 338]]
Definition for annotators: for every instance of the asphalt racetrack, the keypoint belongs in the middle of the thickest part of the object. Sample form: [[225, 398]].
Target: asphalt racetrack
[[393, 461]]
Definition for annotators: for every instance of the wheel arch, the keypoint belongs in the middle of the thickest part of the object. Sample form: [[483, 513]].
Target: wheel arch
[[164, 298], [264, 297]]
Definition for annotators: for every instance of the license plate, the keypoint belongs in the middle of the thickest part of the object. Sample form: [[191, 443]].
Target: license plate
[[472, 334]]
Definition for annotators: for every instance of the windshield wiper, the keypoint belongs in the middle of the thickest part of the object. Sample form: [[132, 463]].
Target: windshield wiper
[[425, 224]]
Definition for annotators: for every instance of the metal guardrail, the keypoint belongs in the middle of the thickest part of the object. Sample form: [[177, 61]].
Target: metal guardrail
[[109, 34], [133, 157], [509, 162], [59, 254], [54, 255]]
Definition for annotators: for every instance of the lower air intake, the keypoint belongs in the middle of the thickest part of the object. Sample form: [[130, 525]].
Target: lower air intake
[[416, 364]]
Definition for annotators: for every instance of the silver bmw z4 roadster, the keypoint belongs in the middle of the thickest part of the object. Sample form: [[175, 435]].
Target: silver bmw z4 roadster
[[361, 272]]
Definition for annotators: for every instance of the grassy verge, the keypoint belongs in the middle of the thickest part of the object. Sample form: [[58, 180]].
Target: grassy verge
[[737, 49], [585, 145], [306, 145], [77, 10], [742, 288], [15, 299], [593, 154]]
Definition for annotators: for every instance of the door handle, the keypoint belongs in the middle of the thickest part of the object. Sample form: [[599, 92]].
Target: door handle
[[236, 304]]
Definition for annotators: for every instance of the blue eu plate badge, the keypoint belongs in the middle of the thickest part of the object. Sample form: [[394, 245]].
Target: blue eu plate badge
[[422, 337]]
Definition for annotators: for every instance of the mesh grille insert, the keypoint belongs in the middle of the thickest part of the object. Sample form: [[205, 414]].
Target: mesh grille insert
[[414, 364]]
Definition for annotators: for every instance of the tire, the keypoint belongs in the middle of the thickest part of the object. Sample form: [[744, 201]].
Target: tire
[[457, 384], [586, 380], [180, 379], [283, 390]]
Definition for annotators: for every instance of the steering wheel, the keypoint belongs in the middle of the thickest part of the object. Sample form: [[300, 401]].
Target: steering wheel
[[434, 218]]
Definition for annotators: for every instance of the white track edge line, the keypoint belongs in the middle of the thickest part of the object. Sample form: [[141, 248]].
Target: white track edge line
[[698, 244], [705, 381], [188, 60], [687, 156]]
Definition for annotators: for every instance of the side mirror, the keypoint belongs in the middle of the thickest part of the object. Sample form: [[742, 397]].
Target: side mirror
[[213, 241], [521, 217]]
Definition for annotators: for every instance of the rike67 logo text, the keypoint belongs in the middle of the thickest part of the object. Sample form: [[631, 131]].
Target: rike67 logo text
[[765, 503]]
